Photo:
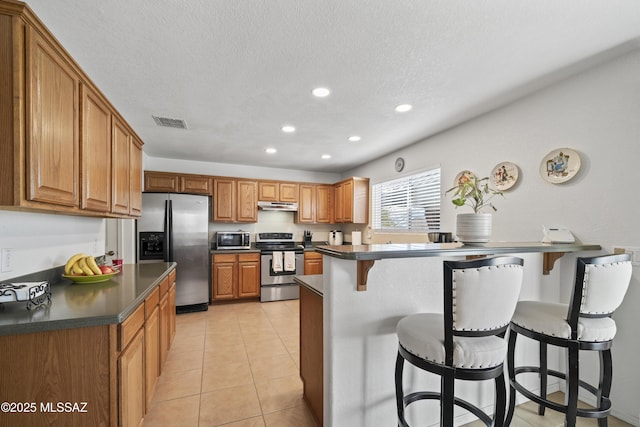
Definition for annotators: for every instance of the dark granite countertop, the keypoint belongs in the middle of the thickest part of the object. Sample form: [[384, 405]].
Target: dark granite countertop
[[91, 304], [410, 250], [314, 282]]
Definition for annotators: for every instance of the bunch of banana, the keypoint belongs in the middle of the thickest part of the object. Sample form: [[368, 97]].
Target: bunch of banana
[[82, 265]]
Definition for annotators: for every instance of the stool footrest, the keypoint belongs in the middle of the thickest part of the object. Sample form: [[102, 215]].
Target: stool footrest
[[601, 412], [433, 395]]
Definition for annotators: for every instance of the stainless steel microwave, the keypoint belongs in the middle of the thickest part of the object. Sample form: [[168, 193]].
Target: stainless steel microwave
[[233, 240]]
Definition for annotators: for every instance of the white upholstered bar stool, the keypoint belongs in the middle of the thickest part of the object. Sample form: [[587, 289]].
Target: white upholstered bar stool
[[467, 341], [583, 324]]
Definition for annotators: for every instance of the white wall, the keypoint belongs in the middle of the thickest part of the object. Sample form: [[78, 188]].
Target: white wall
[[597, 113], [43, 241]]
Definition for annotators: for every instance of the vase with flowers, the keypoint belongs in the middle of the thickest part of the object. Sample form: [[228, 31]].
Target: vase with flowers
[[476, 227]]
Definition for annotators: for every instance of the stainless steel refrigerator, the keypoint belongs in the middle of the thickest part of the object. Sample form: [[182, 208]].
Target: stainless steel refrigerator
[[175, 227]]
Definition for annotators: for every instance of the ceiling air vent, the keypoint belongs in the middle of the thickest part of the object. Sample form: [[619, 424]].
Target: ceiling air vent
[[170, 123]]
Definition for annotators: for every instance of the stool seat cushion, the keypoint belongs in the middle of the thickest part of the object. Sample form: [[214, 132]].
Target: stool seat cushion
[[423, 336], [551, 319]]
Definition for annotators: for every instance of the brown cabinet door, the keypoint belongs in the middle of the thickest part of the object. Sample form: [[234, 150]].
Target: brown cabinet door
[[248, 279], [160, 182], [347, 200], [224, 200], [52, 147], [268, 191], [165, 316], [247, 210], [312, 263], [307, 204], [339, 203], [131, 382], [288, 192], [121, 143], [152, 354], [224, 278], [172, 313], [135, 188], [95, 152], [195, 184], [324, 204]]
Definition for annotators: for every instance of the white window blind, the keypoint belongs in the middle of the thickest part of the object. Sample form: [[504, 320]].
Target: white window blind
[[410, 203]]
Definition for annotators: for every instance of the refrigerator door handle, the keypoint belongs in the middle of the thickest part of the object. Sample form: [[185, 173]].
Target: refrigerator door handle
[[168, 229]]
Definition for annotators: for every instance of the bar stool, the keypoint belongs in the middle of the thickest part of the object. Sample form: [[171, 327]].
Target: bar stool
[[583, 324], [467, 341]]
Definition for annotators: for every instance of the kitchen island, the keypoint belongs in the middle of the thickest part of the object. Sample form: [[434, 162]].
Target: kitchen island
[[93, 355], [369, 288]]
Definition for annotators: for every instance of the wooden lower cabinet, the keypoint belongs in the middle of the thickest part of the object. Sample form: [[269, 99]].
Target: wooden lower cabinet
[[311, 351], [235, 276], [131, 368], [312, 263], [113, 369]]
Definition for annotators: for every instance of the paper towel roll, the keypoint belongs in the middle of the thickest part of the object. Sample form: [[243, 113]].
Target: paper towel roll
[[356, 237]]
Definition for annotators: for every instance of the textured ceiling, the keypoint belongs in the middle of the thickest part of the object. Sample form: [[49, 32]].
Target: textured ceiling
[[236, 71]]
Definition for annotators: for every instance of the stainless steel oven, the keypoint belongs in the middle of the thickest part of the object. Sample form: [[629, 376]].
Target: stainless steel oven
[[280, 260]]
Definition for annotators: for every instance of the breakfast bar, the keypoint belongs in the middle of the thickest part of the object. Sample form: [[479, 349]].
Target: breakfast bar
[[367, 289]]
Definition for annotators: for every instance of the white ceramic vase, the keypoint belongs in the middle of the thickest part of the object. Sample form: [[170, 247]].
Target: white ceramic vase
[[474, 227]]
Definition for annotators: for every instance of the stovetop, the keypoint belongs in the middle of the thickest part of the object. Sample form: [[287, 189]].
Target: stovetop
[[276, 241]]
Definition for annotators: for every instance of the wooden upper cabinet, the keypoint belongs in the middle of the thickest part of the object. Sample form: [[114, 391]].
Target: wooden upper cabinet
[[135, 176], [273, 191], [307, 204], [170, 182], [289, 192], [121, 140], [194, 184], [161, 182], [58, 133], [224, 200], [352, 201], [268, 191], [52, 140], [95, 151], [247, 210], [235, 200], [324, 204]]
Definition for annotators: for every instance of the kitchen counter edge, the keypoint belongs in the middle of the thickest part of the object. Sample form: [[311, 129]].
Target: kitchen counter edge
[[313, 282], [134, 278], [412, 250]]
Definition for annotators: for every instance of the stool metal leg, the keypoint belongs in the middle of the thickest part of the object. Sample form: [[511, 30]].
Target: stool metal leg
[[606, 376], [399, 391], [511, 349], [447, 398], [543, 375], [572, 384], [500, 402]]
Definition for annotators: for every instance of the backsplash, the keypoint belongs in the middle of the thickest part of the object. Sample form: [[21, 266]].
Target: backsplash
[[274, 221]]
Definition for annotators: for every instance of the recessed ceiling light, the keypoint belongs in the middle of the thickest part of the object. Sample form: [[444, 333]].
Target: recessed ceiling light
[[288, 129], [403, 108], [271, 150], [321, 92], [326, 156], [354, 138]]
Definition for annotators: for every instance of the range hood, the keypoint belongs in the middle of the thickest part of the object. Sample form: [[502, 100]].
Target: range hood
[[278, 206]]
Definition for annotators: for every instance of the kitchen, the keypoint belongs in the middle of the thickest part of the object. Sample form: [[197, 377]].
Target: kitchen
[[591, 107]]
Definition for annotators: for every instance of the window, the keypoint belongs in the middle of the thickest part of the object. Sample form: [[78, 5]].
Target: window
[[410, 203]]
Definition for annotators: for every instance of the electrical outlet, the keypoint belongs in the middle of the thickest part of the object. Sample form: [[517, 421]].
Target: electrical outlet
[[6, 260]]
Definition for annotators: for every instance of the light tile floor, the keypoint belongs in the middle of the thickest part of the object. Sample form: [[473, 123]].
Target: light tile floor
[[237, 365]]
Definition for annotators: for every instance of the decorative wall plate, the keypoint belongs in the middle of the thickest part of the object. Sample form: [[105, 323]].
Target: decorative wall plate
[[560, 165], [462, 177], [504, 176]]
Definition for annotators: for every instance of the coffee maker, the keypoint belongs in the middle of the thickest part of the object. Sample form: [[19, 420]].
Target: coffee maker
[[307, 239]]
